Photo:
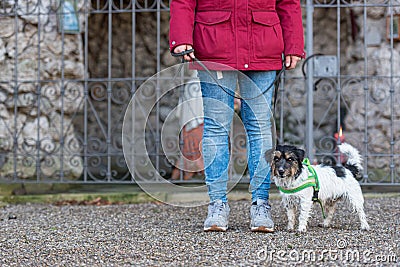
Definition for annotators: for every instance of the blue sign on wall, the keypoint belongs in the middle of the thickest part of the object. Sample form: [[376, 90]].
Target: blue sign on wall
[[68, 18]]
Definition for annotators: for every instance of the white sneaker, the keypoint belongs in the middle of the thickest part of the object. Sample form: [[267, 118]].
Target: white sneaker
[[217, 218], [260, 216]]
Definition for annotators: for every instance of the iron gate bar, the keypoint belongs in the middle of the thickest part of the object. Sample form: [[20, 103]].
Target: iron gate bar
[[15, 142], [392, 166], [338, 83], [366, 89], [134, 78], [62, 103], [85, 96], [310, 81]]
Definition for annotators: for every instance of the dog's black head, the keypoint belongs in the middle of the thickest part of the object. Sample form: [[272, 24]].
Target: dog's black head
[[287, 161]]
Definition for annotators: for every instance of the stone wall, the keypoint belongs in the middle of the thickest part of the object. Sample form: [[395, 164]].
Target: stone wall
[[35, 104]]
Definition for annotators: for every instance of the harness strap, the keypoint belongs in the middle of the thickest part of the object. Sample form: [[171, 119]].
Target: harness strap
[[316, 188], [311, 181], [305, 184], [322, 208]]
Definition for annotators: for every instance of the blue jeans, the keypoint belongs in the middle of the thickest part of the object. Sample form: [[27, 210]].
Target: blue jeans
[[256, 116]]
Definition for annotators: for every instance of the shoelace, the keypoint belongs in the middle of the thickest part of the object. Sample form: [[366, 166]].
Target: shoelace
[[263, 209], [220, 208]]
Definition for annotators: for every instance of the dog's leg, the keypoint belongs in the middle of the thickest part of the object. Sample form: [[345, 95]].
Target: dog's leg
[[363, 219], [356, 200], [290, 204], [291, 214], [305, 210], [329, 207]]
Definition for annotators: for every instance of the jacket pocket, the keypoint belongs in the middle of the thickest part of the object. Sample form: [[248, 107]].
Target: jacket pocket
[[212, 34], [266, 35]]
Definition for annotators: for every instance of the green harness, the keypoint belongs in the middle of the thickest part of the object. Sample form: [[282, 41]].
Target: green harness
[[312, 180]]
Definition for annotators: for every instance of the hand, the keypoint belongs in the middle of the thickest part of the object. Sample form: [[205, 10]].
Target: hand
[[291, 61], [181, 48]]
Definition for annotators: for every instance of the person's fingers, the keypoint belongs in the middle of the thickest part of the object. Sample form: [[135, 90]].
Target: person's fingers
[[295, 60], [287, 62], [188, 57], [191, 55], [291, 61], [181, 48]]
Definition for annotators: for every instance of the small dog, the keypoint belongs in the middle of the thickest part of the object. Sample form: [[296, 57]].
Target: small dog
[[335, 182]]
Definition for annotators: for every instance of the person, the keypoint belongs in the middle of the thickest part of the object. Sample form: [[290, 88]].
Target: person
[[252, 38], [190, 114]]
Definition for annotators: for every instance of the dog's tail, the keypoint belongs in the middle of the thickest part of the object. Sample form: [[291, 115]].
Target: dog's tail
[[354, 160]]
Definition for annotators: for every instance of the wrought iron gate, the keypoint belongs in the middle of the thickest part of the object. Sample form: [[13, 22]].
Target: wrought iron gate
[[69, 68]]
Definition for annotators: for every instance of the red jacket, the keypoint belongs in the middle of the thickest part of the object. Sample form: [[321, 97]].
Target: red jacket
[[243, 34]]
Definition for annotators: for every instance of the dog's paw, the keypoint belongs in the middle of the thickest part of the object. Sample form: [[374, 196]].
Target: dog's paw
[[290, 228], [365, 227], [302, 229]]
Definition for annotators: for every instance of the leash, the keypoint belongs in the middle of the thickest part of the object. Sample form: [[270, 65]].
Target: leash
[[311, 181], [195, 60]]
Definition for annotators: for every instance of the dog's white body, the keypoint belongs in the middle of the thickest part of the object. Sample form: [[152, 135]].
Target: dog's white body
[[332, 188]]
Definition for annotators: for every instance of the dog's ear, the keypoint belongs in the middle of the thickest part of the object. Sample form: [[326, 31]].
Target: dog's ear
[[300, 153], [269, 154]]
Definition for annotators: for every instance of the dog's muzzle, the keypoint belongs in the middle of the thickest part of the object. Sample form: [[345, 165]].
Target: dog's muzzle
[[281, 171]]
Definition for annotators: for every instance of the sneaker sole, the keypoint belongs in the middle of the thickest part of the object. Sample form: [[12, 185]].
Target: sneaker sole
[[262, 229], [215, 228]]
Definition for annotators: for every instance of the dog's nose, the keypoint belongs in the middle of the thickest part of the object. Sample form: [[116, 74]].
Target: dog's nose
[[281, 171]]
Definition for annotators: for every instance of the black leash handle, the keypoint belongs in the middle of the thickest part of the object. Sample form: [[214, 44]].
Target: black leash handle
[[183, 53], [194, 59]]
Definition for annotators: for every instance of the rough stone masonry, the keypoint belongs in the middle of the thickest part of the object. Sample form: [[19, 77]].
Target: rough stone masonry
[[36, 105]]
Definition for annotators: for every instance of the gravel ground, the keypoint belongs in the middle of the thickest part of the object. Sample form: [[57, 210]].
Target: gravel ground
[[156, 234]]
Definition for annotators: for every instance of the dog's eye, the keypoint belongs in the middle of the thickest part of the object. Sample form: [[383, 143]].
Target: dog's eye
[[276, 159], [290, 159]]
